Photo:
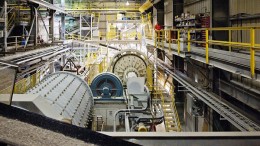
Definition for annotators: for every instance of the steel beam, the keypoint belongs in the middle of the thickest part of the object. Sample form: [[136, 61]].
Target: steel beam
[[108, 42], [242, 93], [80, 10], [125, 21], [48, 5], [36, 27]]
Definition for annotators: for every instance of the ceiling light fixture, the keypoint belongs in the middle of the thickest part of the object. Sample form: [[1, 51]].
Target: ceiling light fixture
[[127, 3]]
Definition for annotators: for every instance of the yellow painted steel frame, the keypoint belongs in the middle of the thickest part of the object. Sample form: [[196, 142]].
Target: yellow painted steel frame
[[188, 40], [230, 39], [179, 42], [252, 52], [24, 84], [148, 4], [207, 46]]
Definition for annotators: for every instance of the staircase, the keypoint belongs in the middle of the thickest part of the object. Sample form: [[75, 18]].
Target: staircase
[[171, 118], [72, 30]]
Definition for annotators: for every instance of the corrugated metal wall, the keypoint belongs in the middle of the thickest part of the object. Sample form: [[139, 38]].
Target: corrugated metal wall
[[236, 6], [197, 7], [168, 13], [244, 6]]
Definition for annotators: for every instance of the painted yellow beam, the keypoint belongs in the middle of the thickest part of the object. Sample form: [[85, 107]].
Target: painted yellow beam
[[148, 4], [179, 42], [188, 40], [95, 9], [252, 52], [207, 46]]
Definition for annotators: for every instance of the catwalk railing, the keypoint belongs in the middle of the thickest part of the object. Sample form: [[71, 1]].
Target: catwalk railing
[[163, 36]]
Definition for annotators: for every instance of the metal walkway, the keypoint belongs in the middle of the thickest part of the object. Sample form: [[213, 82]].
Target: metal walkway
[[230, 114]]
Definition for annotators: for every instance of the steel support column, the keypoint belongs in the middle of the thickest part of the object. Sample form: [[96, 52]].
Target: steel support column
[[5, 27], [36, 27], [252, 52], [80, 25], [91, 21]]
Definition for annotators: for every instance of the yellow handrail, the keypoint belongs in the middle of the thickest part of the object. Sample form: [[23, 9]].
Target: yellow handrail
[[252, 45], [23, 85]]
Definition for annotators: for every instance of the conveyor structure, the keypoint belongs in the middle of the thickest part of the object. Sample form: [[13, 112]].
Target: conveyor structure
[[237, 119]]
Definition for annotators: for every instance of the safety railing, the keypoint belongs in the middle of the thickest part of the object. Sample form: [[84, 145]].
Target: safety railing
[[7, 80], [174, 108], [147, 23], [16, 42], [167, 36], [76, 37], [163, 90], [96, 62], [24, 84]]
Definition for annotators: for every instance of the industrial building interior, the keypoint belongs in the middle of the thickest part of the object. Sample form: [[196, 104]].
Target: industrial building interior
[[130, 72]]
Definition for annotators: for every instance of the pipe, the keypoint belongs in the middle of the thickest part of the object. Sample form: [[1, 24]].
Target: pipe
[[132, 110]]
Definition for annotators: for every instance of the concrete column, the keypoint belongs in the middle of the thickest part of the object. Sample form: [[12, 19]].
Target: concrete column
[[63, 21]]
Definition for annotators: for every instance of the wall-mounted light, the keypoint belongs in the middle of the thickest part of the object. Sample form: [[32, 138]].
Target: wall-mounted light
[[127, 3]]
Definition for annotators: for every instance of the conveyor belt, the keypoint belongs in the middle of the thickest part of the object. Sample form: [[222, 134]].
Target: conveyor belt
[[238, 120]]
